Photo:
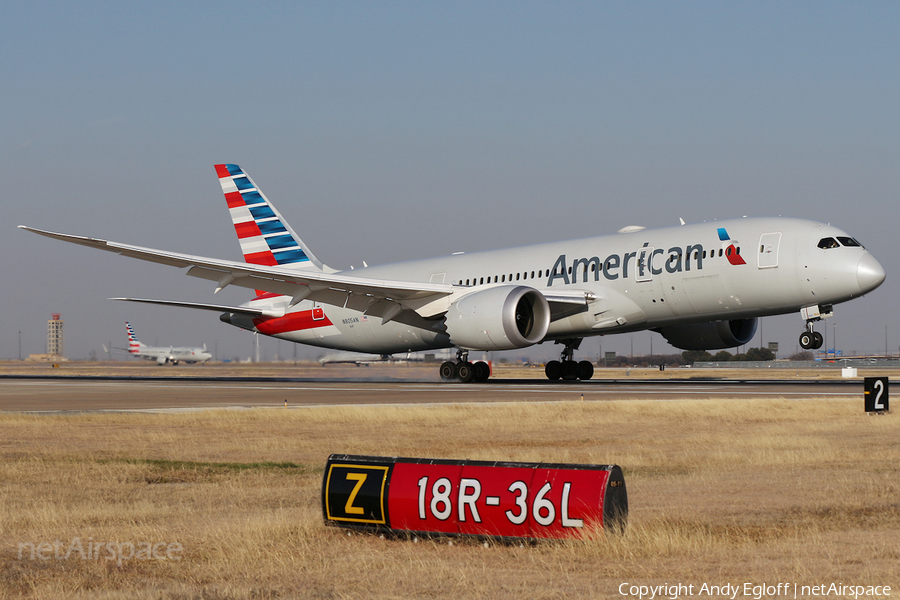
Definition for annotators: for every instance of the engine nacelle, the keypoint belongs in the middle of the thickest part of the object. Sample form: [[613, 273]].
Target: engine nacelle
[[714, 335], [500, 318]]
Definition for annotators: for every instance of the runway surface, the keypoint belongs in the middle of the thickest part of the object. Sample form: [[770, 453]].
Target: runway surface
[[60, 395]]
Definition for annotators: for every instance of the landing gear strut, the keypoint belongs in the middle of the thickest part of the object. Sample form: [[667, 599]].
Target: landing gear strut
[[566, 368], [809, 339], [463, 370]]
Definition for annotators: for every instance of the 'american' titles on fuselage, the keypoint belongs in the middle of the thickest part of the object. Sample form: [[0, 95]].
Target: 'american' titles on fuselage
[[677, 262]]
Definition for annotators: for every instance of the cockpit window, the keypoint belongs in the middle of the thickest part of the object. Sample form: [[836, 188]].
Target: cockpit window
[[849, 241], [828, 242]]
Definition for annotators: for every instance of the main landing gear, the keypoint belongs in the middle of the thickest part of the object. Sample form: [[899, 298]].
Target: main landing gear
[[464, 371], [809, 339], [566, 368]]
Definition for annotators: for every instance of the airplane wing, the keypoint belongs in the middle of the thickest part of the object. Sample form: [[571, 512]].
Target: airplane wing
[[378, 297]]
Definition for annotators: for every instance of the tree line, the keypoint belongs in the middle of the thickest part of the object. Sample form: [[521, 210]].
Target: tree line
[[689, 357]]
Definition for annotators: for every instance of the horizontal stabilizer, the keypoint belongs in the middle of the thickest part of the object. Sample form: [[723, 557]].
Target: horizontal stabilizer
[[243, 310]]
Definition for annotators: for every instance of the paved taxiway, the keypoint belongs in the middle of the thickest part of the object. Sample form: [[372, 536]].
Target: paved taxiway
[[88, 394]]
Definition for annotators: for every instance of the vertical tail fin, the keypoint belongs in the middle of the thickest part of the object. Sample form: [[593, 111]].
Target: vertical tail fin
[[133, 344], [264, 235]]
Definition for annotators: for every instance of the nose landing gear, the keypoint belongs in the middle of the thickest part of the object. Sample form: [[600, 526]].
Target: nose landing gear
[[809, 339], [566, 368]]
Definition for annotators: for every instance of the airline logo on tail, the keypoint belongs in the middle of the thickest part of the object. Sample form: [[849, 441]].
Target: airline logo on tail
[[264, 236], [133, 344]]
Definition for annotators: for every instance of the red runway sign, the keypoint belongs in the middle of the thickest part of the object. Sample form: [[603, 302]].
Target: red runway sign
[[458, 497]]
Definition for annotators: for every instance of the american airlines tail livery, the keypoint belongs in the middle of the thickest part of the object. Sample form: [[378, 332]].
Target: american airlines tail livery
[[164, 355], [701, 286]]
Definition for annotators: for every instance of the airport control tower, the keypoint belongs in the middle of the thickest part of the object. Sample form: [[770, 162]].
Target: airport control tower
[[55, 339]]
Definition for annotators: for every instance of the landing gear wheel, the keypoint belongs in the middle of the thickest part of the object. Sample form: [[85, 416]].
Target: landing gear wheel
[[585, 370], [570, 370], [465, 371], [806, 340], [818, 340], [482, 371], [553, 370], [448, 371]]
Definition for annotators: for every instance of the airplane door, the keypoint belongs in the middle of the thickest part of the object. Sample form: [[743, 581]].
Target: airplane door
[[768, 250]]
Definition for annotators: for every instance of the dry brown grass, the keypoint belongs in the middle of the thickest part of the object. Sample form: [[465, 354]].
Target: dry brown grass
[[756, 491]]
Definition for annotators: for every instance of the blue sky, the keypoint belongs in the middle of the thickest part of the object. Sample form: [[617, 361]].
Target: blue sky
[[387, 131]]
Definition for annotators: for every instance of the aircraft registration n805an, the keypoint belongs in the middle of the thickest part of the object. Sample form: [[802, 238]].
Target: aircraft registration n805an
[[703, 287]]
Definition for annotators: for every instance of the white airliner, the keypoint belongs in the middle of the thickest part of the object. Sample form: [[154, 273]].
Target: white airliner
[[701, 286], [164, 355]]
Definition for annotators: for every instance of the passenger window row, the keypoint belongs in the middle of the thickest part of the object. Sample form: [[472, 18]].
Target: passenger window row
[[502, 278], [722, 252]]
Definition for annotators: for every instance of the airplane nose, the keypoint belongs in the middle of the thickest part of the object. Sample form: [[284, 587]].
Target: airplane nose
[[869, 273]]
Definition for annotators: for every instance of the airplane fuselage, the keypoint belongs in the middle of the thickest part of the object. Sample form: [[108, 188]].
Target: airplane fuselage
[[162, 354], [650, 278]]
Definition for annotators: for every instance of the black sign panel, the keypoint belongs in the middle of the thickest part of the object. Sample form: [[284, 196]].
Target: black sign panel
[[876, 394], [356, 492]]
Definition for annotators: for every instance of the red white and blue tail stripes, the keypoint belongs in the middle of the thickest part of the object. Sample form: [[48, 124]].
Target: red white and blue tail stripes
[[133, 344], [265, 237]]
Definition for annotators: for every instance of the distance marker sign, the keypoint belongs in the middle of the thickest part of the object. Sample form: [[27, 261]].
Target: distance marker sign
[[478, 498], [876, 394]]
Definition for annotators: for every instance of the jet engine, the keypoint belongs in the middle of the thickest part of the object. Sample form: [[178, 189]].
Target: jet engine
[[714, 335], [500, 318]]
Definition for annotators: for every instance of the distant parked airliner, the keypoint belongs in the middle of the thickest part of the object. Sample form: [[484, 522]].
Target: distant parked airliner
[[703, 286], [164, 354]]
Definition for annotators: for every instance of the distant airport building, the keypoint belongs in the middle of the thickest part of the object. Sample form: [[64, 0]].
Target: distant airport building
[[56, 342]]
